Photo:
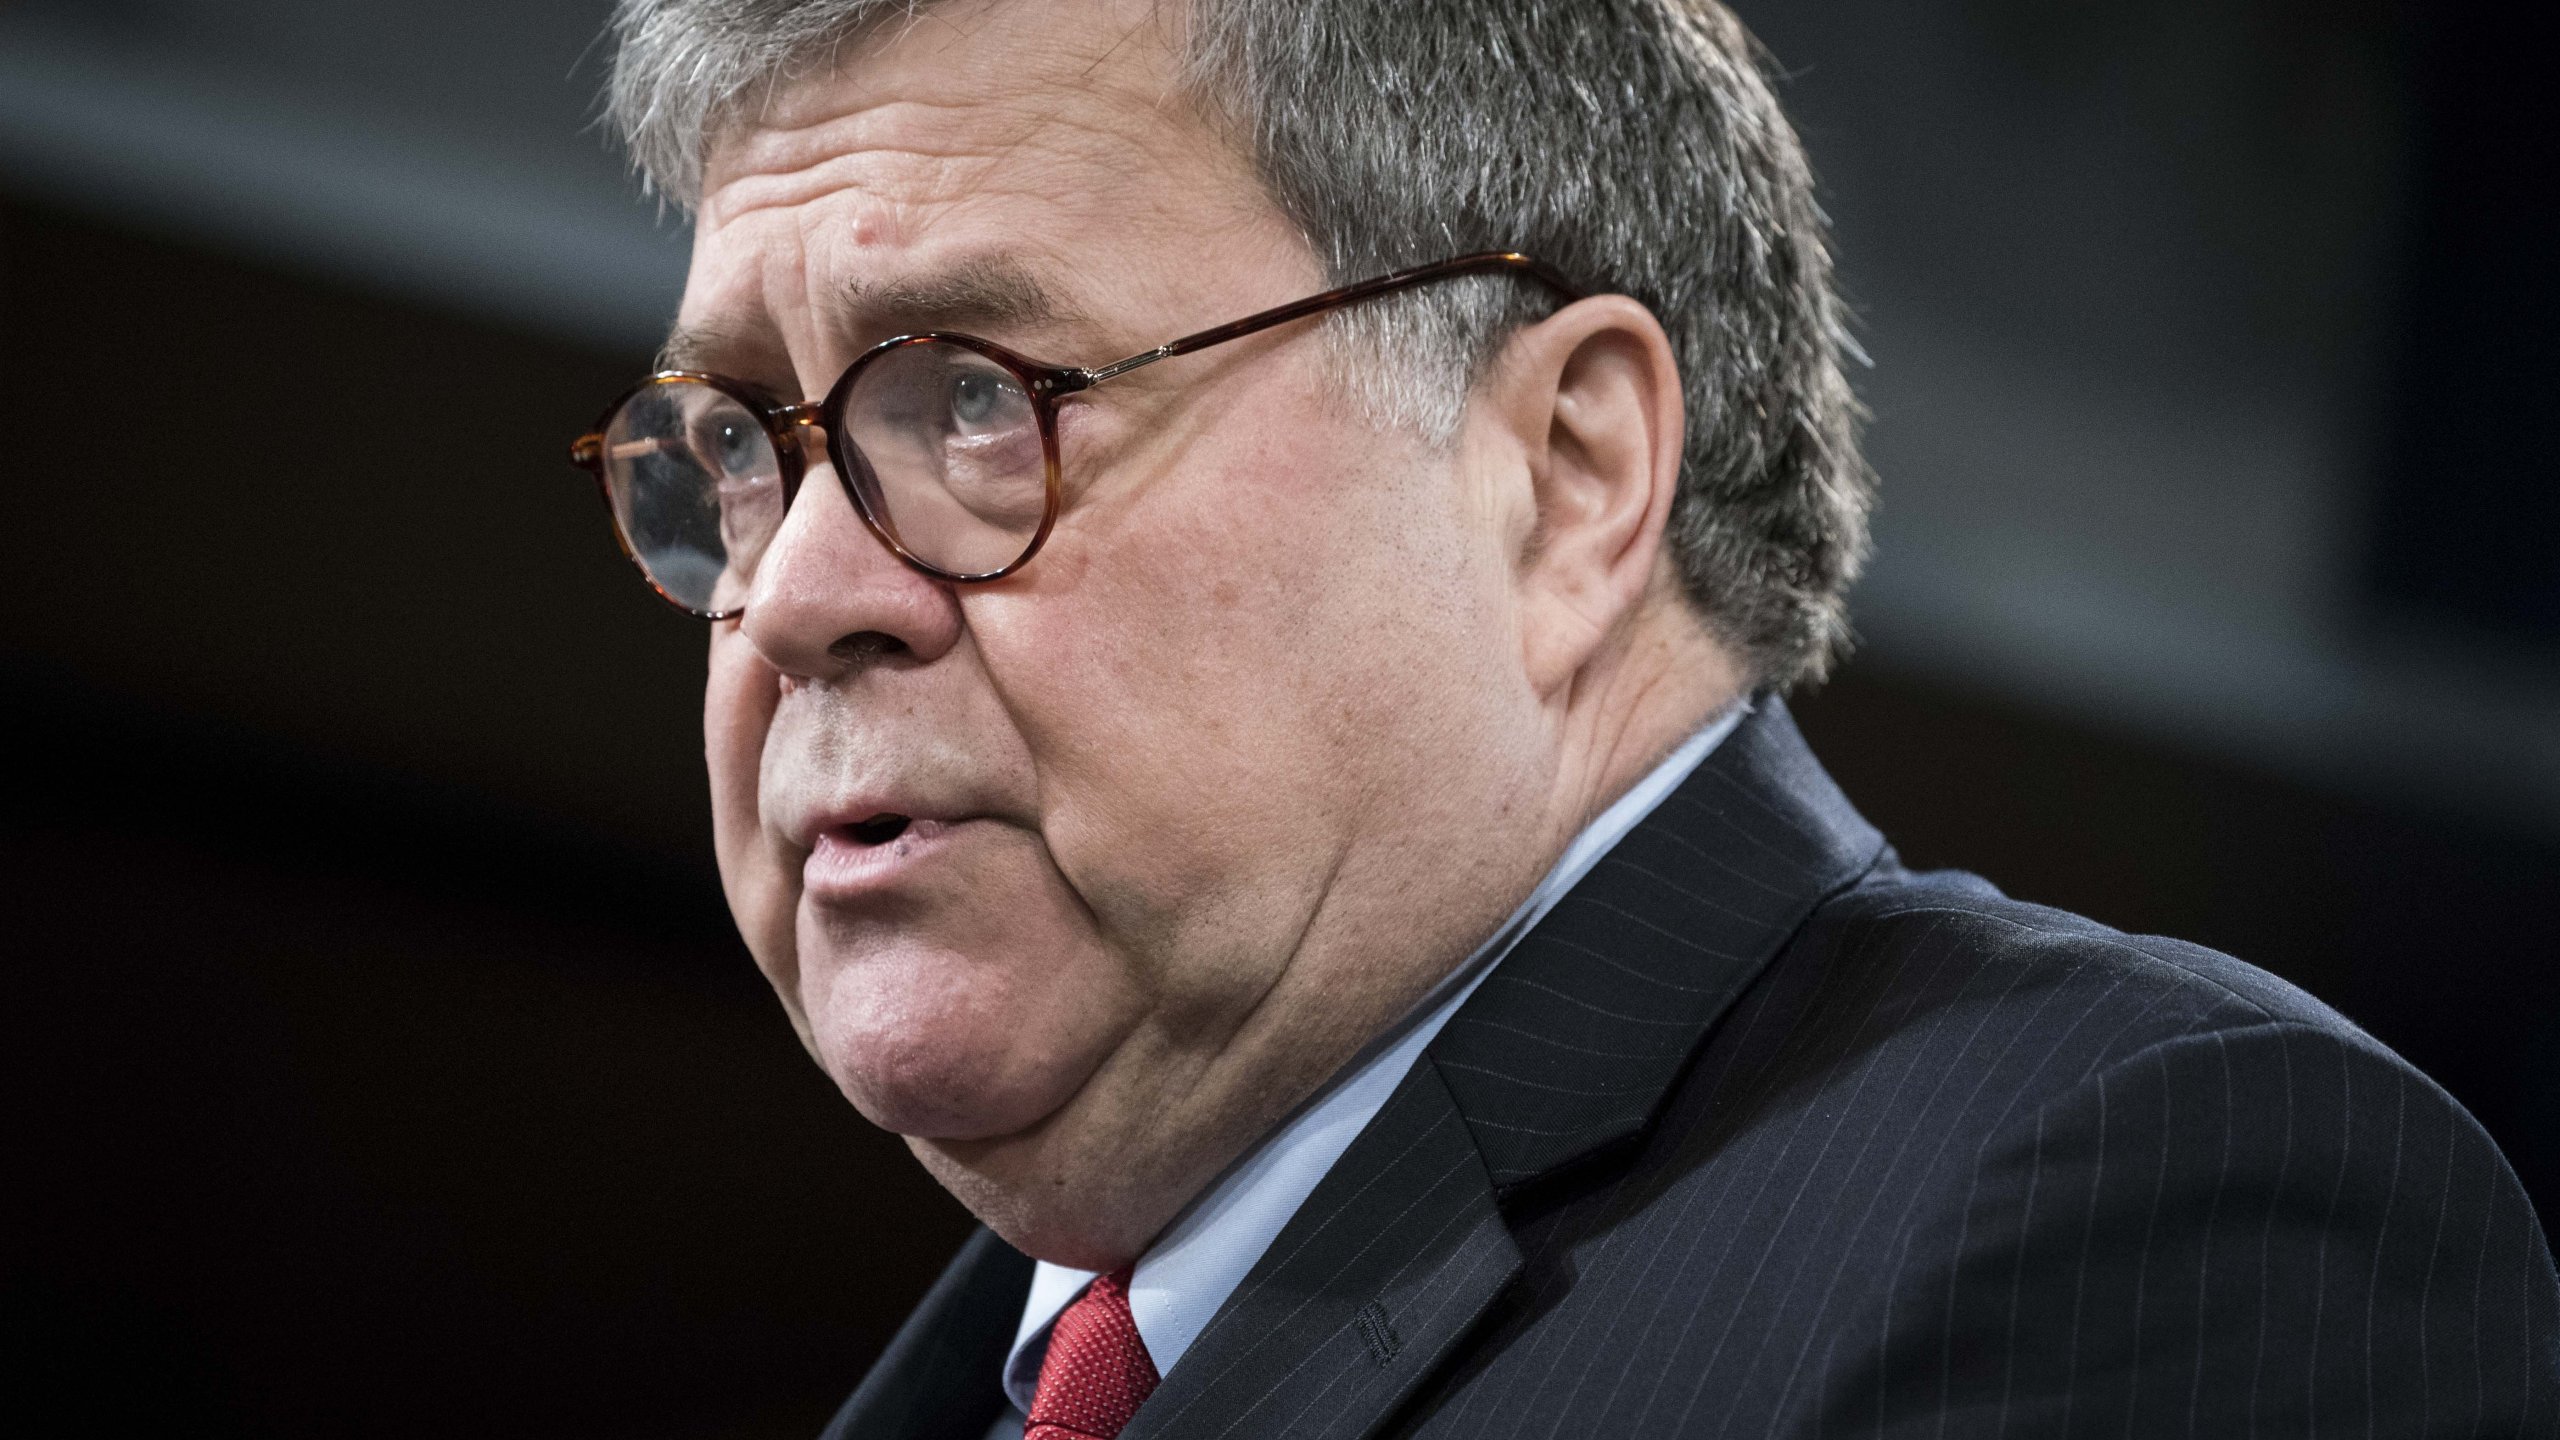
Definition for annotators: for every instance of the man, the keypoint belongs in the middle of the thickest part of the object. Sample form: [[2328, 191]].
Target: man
[[1294, 821]]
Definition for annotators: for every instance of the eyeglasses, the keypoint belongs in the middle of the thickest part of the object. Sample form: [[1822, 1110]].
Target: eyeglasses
[[947, 445]]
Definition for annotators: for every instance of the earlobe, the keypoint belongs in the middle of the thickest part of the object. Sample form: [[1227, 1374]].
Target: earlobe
[[1595, 395]]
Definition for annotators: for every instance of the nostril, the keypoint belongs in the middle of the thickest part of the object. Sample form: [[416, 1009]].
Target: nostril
[[879, 829], [863, 645]]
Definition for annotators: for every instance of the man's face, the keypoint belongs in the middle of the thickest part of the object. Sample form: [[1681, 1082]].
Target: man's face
[[1167, 791]]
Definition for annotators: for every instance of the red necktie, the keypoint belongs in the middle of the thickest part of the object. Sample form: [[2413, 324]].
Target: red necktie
[[1096, 1371]]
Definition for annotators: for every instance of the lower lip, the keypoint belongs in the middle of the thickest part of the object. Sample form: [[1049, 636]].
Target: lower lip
[[841, 868]]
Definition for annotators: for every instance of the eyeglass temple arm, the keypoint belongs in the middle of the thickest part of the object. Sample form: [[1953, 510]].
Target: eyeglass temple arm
[[1484, 262]]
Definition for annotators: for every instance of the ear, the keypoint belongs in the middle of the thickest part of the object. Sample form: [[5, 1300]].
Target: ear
[[1591, 397]]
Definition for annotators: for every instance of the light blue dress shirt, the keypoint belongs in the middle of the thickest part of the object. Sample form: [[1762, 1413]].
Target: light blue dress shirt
[[1200, 1259]]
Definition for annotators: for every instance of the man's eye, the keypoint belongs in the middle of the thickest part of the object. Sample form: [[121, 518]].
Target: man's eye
[[976, 399], [739, 447]]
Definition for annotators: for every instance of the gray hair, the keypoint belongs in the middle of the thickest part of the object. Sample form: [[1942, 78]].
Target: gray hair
[[1633, 144]]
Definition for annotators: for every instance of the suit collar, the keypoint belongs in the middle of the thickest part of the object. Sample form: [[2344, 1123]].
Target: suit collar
[[1573, 1044], [1569, 1048]]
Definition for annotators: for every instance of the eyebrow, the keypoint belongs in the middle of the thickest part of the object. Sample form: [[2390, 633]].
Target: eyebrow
[[697, 347], [992, 290], [988, 291]]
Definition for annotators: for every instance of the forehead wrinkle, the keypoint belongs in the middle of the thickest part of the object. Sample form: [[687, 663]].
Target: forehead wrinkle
[[912, 154], [907, 143], [863, 185]]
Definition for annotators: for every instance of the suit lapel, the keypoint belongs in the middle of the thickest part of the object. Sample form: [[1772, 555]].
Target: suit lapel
[[940, 1377], [1568, 1049], [1573, 1043], [1377, 1275]]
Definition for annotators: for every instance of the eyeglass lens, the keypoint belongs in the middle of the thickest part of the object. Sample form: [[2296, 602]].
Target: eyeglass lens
[[945, 448], [696, 489], [942, 444]]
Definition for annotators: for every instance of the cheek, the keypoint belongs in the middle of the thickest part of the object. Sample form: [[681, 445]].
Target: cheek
[[1187, 641], [1289, 587], [1212, 678], [737, 712]]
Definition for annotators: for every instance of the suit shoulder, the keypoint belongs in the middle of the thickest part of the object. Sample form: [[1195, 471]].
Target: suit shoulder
[[2109, 1121], [1950, 935]]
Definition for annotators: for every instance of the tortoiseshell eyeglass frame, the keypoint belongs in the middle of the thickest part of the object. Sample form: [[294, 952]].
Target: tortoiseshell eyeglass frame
[[1044, 384]]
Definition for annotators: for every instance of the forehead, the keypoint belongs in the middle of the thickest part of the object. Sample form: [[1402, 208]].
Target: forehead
[[1036, 158]]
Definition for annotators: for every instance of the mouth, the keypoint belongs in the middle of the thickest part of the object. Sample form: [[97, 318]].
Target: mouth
[[858, 859], [879, 829]]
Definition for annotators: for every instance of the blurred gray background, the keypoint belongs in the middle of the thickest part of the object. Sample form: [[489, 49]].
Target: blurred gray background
[[384, 1059]]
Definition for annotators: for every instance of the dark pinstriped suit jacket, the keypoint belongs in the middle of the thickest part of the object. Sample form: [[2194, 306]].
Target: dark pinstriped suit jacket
[[1759, 1133]]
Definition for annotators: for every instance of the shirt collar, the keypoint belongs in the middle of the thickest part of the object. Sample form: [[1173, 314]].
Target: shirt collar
[[1198, 1261]]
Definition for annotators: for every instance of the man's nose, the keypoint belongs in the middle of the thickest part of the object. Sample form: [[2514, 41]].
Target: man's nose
[[829, 597]]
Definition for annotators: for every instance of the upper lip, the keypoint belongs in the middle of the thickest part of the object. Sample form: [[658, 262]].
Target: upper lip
[[804, 829]]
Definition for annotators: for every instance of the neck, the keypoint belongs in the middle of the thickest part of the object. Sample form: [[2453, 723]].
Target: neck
[[1631, 706]]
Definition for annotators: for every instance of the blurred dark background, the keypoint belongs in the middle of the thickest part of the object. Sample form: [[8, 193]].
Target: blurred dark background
[[380, 1060]]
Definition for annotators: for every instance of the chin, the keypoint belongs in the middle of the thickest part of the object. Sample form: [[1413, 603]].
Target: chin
[[935, 1045], [925, 1081], [948, 1096]]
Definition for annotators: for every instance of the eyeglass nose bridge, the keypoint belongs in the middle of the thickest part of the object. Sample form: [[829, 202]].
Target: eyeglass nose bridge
[[800, 434]]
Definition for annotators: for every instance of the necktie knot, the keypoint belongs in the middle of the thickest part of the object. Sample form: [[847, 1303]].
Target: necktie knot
[[1097, 1369]]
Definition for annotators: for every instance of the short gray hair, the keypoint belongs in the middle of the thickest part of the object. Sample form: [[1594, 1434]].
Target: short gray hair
[[1633, 144]]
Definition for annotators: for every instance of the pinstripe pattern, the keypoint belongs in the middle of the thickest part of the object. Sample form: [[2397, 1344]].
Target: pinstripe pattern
[[1760, 1134]]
